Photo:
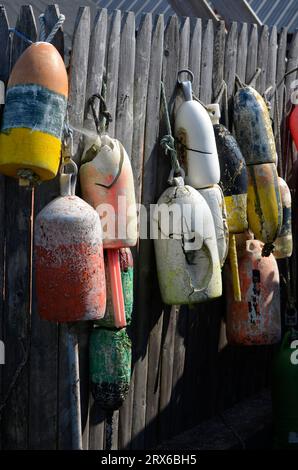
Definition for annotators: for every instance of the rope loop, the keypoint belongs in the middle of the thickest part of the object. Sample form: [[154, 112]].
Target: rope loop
[[103, 119], [42, 35]]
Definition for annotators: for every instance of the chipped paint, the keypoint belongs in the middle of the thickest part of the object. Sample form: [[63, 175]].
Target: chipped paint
[[215, 200], [253, 127], [256, 319], [107, 180], [70, 279], [188, 273], [283, 245], [264, 208], [193, 125]]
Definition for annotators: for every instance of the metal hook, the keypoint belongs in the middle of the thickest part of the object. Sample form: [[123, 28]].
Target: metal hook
[[187, 71], [68, 181]]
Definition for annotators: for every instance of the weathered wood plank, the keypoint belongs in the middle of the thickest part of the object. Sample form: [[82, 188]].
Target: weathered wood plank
[[263, 59], [242, 52], [231, 58], [78, 68], [207, 63], [124, 114], [44, 334], [170, 70], [252, 54], [142, 63], [281, 65], [124, 126], [76, 110], [272, 63], [195, 55], [218, 57], [143, 303], [113, 67], [18, 233], [96, 65], [96, 62], [5, 44]]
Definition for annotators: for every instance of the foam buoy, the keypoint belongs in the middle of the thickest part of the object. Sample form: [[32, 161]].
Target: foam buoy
[[255, 320], [35, 106], [70, 276]]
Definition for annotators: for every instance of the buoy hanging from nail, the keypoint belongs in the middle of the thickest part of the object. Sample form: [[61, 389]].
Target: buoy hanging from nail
[[256, 140], [196, 142], [69, 264], [34, 112]]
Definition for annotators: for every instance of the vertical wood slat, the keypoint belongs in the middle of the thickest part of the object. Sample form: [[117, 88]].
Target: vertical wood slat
[[5, 44], [195, 54], [218, 57], [242, 52], [169, 74], [44, 334], [207, 63], [141, 77], [76, 109], [149, 297], [281, 65], [113, 67], [124, 133], [252, 54], [181, 318], [272, 64], [18, 227], [231, 58], [263, 59], [96, 64]]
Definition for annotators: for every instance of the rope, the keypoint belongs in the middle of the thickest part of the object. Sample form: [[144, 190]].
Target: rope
[[42, 35], [168, 141], [103, 119], [109, 430], [20, 35]]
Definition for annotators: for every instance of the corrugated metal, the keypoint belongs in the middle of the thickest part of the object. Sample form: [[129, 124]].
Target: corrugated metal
[[277, 12], [139, 7]]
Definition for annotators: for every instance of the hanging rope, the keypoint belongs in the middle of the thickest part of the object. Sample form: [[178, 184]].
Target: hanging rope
[[103, 119], [20, 35], [168, 141], [43, 34]]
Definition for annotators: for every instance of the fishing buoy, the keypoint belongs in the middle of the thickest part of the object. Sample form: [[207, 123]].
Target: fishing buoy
[[107, 185], [255, 320], [110, 367], [284, 393], [70, 277], [126, 266], [283, 245], [215, 200], [293, 125], [256, 140], [35, 106], [264, 207], [233, 181], [196, 141], [187, 259]]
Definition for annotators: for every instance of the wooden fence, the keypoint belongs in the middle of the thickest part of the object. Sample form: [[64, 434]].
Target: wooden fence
[[179, 378]]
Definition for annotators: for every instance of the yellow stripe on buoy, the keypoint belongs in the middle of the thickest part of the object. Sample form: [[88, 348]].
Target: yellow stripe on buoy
[[34, 150], [234, 268]]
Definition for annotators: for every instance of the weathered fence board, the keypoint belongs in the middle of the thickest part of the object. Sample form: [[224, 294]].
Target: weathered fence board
[[44, 334], [178, 378], [18, 226]]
